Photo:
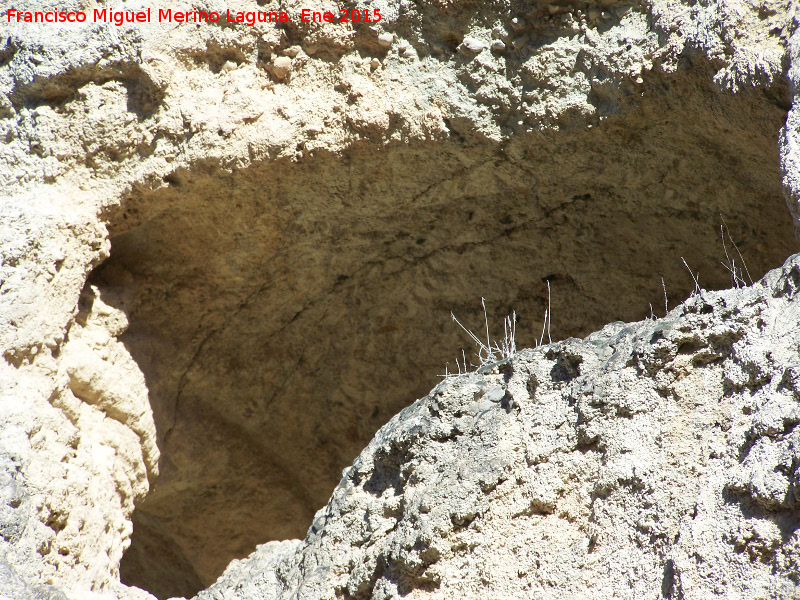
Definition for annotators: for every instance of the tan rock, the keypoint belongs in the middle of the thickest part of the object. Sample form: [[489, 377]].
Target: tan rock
[[281, 65], [285, 254]]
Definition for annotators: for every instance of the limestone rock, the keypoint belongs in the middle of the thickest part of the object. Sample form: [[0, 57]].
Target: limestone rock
[[473, 45], [216, 283], [651, 459], [76, 456], [790, 135], [281, 66], [386, 40]]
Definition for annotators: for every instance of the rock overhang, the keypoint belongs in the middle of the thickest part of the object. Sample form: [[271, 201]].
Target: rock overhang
[[187, 111]]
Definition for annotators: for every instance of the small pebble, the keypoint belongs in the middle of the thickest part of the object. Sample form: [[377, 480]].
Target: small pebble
[[386, 40], [229, 66], [517, 24], [292, 51], [473, 45], [498, 46], [281, 66], [375, 63], [310, 49], [406, 49]]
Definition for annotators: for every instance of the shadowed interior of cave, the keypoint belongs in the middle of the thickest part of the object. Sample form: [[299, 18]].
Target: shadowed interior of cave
[[283, 312]]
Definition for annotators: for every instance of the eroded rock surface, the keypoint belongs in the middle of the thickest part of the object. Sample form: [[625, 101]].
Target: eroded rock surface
[[651, 459], [285, 217], [76, 456]]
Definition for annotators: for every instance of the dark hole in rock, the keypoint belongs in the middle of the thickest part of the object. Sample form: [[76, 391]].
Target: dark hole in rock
[[283, 312]]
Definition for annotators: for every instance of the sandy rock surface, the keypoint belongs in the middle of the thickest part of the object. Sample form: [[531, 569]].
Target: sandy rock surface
[[228, 255], [656, 459]]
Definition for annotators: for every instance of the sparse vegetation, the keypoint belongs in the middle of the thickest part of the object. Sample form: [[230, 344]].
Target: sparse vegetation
[[736, 272], [491, 352]]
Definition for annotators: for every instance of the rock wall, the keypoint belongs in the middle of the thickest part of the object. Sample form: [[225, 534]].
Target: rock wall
[[656, 459], [237, 244], [789, 142]]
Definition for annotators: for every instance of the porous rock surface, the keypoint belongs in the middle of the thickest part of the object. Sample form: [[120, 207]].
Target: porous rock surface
[[271, 240], [658, 459]]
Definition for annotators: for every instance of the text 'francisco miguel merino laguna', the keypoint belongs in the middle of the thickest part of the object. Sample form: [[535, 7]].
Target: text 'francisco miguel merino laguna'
[[120, 17]]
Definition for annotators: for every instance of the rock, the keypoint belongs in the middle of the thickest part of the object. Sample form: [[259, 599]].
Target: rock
[[248, 278], [674, 438], [14, 587], [517, 24], [473, 45], [292, 51], [790, 136], [496, 394], [386, 39], [405, 49], [281, 65]]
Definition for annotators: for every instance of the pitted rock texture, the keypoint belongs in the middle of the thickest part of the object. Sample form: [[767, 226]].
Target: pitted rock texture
[[75, 461], [650, 460], [286, 216], [790, 134]]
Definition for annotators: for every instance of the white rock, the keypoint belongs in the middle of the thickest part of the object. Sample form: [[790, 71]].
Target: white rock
[[386, 39], [474, 45], [292, 51], [281, 65]]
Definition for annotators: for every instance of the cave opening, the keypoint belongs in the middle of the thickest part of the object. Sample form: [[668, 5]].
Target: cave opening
[[283, 312]]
